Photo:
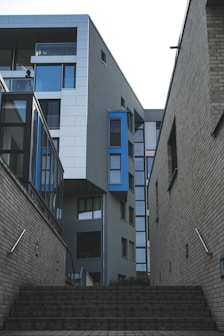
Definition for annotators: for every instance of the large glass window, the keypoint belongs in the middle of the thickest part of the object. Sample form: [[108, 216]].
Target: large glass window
[[69, 76], [88, 244], [23, 58], [89, 208], [53, 77], [115, 132], [140, 193], [115, 169], [5, 59], [48, 77], [51, 110], [14, 111]]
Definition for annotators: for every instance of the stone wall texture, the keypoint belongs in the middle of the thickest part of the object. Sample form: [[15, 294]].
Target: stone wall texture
[[195, 200], [26, 265]]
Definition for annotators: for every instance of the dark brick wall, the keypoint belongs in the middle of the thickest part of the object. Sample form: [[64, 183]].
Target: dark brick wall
[[24, 267], [196, 198]]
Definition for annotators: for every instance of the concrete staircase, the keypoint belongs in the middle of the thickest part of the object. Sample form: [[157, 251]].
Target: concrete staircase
[[110, 308]]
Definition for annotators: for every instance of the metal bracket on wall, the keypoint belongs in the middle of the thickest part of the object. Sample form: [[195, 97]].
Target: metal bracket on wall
[[17, 242], [203, 243]]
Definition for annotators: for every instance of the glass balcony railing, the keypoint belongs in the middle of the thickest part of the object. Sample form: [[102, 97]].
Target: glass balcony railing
[[19, 84], [55, 49]]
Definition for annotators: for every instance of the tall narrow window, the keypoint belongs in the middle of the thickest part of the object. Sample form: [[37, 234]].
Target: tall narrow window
[[157, 202], [103, 57], [172, 153], [115, 132], [124, 247], [122, 102], [69, 76], [115, 169], [123, 210], [51, 110]]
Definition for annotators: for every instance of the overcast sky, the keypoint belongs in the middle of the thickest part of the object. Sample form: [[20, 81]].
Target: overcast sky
[[138, 33]]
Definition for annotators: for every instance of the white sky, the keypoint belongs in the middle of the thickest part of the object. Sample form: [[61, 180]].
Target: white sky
[[138, 33]]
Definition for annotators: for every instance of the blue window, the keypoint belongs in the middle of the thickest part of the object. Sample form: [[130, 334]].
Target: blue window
[[140, 239], [139, 178], [48, 77], [53, 77], [69, 76], [115, 169], [140, 223], [115, 132], [140, 255]]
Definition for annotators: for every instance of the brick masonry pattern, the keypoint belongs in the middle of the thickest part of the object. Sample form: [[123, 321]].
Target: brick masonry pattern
[[196, 198], [24, 267]]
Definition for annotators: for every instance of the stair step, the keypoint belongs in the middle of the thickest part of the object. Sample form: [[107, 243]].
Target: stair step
[[110, 308], [82, 323]]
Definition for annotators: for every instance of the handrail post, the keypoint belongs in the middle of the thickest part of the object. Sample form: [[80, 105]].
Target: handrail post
[[17, 242], [203, 243]]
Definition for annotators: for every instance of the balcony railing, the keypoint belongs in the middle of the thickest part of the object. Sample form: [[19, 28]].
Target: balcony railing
[[19, 84], [55, 49]]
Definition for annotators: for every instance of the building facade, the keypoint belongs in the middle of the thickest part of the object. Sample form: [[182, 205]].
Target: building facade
[[186, 186], [91, 111]]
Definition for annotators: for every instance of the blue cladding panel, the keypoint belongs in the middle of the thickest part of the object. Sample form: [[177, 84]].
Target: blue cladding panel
[[123, 151]]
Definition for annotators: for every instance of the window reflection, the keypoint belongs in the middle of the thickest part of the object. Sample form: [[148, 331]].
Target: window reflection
[[48, 77]]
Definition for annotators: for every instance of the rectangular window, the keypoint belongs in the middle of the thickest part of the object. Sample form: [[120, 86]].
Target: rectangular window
[[14, 111], [23, 59], [131, 250], [140, 208], [140, 239], [89, 244], [131, 215], [172, 153], [89, 208], [69, 76], [222, 268], [51, 110], [123, 210], [131, 181], [56, 143], [115, 169], [5, 59], [139, 164], [54, 77], [122, 102], [124, 247], [115, 132], [130, 121], [130, 149], [140, 223], [157, 202], [139, 193], [140, 255], [103, 57]]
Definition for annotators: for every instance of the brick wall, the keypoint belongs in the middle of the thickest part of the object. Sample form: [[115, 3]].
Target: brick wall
[[196, 197], [24, 267]]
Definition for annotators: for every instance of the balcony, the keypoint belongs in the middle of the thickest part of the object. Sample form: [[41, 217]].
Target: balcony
[[19, 84], [55, 49]]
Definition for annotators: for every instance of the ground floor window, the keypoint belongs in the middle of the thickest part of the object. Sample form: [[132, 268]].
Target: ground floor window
[[88, 244]]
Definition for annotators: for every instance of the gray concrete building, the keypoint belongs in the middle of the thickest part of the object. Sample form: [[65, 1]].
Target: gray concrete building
[[105, 139], [186, 187]]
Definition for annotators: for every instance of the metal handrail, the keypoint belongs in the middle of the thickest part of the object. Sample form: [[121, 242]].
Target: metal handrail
[[203, 243], [17, 242]]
